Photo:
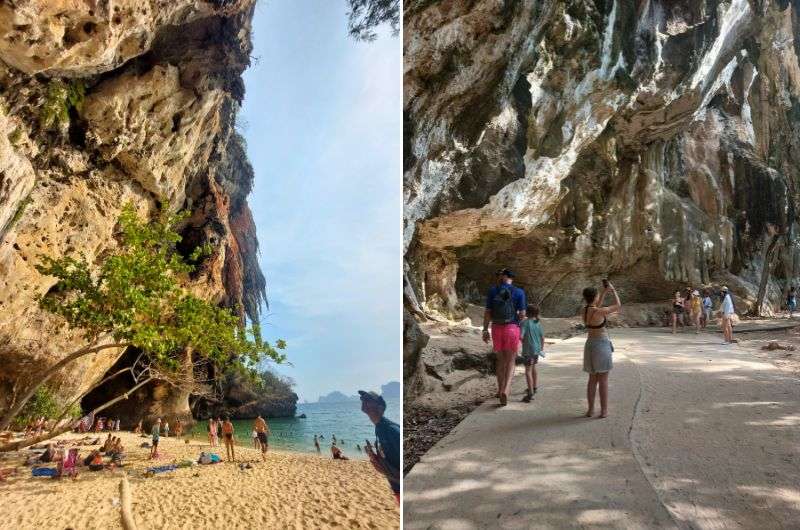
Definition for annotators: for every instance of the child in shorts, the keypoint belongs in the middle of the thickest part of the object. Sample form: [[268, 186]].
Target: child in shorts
[[532, 337]]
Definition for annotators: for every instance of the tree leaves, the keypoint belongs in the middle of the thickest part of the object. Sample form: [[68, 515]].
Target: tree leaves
[[137, 297]]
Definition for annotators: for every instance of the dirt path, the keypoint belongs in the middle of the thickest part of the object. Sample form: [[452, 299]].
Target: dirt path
[[701, 435]]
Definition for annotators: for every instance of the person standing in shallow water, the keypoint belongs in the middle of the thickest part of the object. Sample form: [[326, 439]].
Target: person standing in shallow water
[[598, 348], [505, 308]]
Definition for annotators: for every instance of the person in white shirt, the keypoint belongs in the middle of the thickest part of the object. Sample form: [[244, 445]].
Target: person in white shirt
[[727, 315], [708, 305]]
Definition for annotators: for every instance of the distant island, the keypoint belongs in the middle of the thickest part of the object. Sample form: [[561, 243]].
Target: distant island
[[389, 390], [336, 397]]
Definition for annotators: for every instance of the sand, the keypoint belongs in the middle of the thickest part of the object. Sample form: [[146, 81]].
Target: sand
[[290, 490]]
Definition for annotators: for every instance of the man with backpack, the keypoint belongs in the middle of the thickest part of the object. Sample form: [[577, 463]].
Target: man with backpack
[[505, 308]]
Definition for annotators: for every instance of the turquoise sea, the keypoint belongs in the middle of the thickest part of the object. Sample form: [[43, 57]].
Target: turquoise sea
[[345, 420]]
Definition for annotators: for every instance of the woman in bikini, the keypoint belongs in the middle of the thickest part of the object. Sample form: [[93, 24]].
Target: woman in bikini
[[677, 310], [597, 350], [227, 433]]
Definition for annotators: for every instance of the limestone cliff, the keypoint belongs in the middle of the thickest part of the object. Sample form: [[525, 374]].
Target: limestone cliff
[[654, 142], [102, 103]]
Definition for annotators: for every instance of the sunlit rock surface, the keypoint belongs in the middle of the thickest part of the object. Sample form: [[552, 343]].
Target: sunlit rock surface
[[162, 86], [654, 142]]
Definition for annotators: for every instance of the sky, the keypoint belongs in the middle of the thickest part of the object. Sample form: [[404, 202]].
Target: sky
[[322, 120]]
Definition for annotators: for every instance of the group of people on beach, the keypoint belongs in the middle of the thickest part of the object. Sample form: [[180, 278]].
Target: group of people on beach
[[224, 430]]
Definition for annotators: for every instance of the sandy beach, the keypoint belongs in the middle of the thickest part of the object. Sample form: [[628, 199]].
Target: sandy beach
[[290, 490]]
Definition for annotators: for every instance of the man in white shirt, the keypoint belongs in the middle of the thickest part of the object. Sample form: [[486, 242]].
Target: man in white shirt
[[727, 315]]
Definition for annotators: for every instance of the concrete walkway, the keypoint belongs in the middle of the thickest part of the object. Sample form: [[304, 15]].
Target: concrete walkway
[[701, 435]]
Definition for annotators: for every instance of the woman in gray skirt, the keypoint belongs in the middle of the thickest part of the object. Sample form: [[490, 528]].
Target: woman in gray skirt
[[598, 348]]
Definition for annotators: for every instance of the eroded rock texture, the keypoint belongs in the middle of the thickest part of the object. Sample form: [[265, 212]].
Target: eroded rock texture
[[161, 87], [652, 141]]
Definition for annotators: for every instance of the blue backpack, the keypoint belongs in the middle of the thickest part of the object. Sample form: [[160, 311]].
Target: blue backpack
[[502, 306]]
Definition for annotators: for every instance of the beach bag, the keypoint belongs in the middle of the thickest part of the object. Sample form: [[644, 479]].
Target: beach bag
[[502, 306], [215, 459]]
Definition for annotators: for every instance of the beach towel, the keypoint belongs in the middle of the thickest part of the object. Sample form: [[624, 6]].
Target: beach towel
[[44, 472], [162, 469]]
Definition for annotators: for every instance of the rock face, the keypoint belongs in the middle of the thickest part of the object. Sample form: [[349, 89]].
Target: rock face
[[154, 87], [653, 142]]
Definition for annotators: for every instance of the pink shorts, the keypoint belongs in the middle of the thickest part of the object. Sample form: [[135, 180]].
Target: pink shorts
[[505, 337]]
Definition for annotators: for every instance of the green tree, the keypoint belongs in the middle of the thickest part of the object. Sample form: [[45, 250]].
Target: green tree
[[365, 15], [137, 299]]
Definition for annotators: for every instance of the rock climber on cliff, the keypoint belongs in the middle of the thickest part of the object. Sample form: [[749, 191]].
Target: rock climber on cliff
[[505, 308]]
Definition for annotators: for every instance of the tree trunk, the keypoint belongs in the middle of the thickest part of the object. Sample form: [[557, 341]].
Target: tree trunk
[[19, 444], [9, 416], [765, 272]]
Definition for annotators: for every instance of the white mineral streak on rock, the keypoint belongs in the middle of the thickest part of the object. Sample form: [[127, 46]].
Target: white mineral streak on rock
[[730, 22], [506, 119], [608, 42], [724, 78], [420, 200], [746, 110]]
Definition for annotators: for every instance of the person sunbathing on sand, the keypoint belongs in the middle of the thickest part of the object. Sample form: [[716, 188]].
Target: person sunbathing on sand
[[337, 453], [227, 434]]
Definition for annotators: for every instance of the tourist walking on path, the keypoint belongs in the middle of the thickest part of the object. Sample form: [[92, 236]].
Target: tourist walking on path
[[677, 310], [155, 432], [696, 308], [386, 457], [505, 308], [262, 432], [227, 436], [791, 301], [598, 348], [532, 349], [727, 315], [708, 306]]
